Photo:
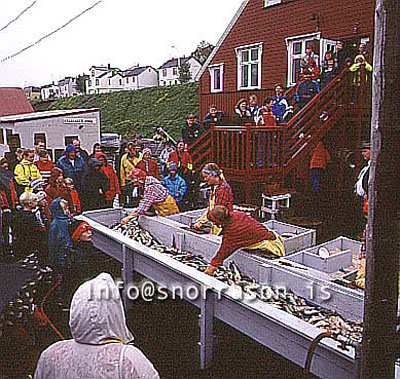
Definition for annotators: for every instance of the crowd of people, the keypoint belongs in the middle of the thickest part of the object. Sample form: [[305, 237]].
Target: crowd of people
[[37, 193]]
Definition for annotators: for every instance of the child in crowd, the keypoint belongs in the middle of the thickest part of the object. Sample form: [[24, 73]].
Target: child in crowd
[[29, 233], [265, 115], [164, 157], [44, 164], [73, 197], [253, 108], [59, 238]]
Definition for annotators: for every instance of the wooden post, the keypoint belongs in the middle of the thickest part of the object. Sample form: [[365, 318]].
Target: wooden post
[[381, 294], [248, 166], [127, 275], [207, 329]]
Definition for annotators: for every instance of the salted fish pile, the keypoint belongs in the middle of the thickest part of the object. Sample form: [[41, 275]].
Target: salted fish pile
[[344, 330]]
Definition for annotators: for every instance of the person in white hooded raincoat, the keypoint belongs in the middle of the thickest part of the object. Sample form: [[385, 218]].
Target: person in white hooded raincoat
[[102, 343]]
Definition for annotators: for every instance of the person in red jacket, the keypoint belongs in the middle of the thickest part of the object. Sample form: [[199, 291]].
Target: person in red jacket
[[74, 203], [56, 186], [112, 177], [242, 231], [183, 160], [319, 160], [148, 165], [8, 202], [265, 116]]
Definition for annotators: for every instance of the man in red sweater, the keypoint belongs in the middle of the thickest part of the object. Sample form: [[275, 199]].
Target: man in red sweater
[[242, 231]]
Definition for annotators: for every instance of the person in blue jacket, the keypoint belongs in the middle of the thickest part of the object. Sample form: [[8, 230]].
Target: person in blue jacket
[[59, 238], [281, 108], [174, 183], [306, 90], [73, 166]]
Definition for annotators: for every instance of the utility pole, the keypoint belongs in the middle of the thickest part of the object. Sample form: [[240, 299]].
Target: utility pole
[[381, 293]]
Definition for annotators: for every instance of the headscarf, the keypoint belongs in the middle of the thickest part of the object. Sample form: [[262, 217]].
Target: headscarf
[[138, 174], [100, 154]]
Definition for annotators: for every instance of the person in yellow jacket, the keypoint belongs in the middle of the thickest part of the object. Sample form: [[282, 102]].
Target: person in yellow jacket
[[359, 61], [155, 194], [128, 162], [26, 171]]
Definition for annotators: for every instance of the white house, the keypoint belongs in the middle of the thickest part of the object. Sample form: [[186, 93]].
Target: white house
[[168, 73], [56, 128], [50, 91], [67, 87], [140, 77], [104, 79]]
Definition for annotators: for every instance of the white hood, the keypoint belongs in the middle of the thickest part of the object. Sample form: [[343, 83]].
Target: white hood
[[97, 312]]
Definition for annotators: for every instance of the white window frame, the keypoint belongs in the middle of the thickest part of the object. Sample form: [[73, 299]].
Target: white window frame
[[212, 69], [290, 41], [238, 52], [268, 3]]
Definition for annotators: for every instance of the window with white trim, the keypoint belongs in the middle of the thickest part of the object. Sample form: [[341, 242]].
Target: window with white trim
[[216, 77], [296, 47], [249, 66], [268, 3]]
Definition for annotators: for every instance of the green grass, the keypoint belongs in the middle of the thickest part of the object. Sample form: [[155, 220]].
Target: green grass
[[141, 111]]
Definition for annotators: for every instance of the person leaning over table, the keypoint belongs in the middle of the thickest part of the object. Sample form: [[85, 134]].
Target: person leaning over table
[[221, 194], [242, 231], [155, 194]]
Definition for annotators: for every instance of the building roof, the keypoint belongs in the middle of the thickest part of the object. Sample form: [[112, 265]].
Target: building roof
[[135, 71], [64, 81], [174, 62], [13, 101], [46, 114], [222, 39]]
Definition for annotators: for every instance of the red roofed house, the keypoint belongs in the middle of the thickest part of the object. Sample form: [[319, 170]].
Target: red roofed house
[[13, 101], [262, 46]]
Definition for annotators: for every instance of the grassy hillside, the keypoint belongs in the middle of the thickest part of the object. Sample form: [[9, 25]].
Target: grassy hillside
[[139, 111]]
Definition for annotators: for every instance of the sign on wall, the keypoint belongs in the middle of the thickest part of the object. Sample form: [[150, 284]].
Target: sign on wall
[[79, 120]]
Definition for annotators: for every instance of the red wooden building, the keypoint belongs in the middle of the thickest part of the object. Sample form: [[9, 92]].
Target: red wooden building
[[262, 46]]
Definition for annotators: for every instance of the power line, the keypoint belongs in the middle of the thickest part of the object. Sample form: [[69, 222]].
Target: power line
[[18, 16], [50, 34]]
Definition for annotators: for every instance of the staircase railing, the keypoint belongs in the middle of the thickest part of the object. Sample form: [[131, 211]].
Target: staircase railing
[[312, 122], [254, 153], [201, 150]]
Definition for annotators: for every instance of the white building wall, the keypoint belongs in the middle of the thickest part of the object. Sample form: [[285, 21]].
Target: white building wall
[[172, 73], [56, 129], [195, 67], [148, 78], [48, 91]]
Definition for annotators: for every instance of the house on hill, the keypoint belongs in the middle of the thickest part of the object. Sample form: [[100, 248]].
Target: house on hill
[[168, 73], [68, 87], [32, 92], [50, 91], [262, 46], [103, 79], [140, 77]]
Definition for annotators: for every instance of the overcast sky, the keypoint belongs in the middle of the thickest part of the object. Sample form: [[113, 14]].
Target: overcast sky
[[119, 32]]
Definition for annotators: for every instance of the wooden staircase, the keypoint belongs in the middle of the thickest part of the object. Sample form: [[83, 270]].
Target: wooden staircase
[[249, 154]]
